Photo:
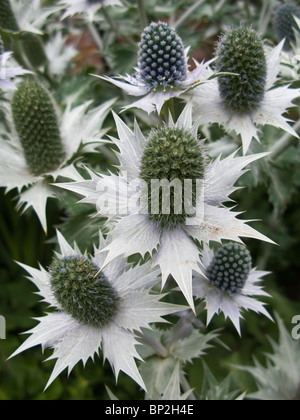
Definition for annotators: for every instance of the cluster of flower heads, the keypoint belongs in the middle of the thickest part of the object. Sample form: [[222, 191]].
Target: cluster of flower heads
[[101, 301]]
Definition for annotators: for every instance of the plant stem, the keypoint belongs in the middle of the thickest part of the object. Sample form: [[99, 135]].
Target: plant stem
[[154, 344], [95, 34], [187, 13], [109, 20], [143, 14], [286, 141]]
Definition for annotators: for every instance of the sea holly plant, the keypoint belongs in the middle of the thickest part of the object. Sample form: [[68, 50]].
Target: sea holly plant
[[162, 72], [39, 146], [179, 196], [156, 280], [249, 97]]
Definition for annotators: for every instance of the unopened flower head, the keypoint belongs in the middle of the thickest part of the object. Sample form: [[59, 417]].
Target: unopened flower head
[[36, 123], [171, 158], [83, 291], [162, 60], [95, 309], [241, 51], [285, 24], [230, 268], [41, 143], [172, 154], [249, 96], [230, 284]]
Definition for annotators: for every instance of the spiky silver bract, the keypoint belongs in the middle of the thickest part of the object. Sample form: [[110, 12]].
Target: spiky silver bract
[[134, 231]]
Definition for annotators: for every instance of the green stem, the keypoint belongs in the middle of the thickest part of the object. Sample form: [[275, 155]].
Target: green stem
[[286, 141], [95, 34], [143, 14], [187, 13], [109, 20], [154, 344]]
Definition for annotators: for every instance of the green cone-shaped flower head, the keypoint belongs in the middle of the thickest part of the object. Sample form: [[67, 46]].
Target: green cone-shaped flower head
[[36, 123], [173, 155], [284, 23], [162, 59], [82, 291], [230, 268], [241, 51], [7, 17]]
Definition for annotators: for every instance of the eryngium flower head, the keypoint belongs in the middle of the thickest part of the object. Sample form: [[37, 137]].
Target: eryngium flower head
[[95, 309], [83, 291], [36, 123], [38, 145], [162, 71], [182, 158], [230, 268], [285, 24], [243, 101], [229, 283], [241, 51], [173, 150], [162, 60]]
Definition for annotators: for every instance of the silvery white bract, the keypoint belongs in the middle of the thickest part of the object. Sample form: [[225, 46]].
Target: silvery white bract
[[59, 54], [175, 250], [8, 71], [86, 7], [31, 16], [208, 102], [80, 126], [162, 72], [75, 341], [231, 304]]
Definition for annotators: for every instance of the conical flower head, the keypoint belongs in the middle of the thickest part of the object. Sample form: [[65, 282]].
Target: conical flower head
[[173, 155], [37, 126], [241, 51], [7, 17], [162, 59], [230, 268], [284, 23], [82, 291]]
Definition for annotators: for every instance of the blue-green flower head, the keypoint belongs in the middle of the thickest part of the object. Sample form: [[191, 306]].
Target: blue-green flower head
[[230, 268], [162, 60]]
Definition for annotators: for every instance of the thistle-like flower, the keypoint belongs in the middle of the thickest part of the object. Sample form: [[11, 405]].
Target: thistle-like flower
[[25, 15], [86, 7], [249, 97], [285, 24], [158, 173], [95, 309], [8, 72], [162, 72], [39, 148], [230, 283]]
